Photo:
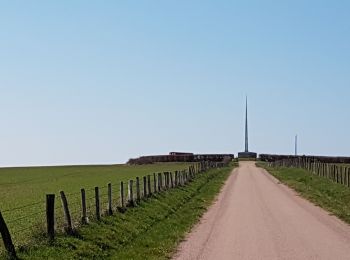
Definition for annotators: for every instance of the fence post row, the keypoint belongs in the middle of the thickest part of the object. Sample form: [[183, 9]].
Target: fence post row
[[336, 173]]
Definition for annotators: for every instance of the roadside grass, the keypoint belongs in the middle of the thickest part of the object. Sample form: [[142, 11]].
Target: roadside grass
[[152, 230], [323, 192]]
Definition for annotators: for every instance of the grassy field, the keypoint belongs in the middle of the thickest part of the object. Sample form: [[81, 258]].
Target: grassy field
[[27, 186], [323, 192], [150, 231]]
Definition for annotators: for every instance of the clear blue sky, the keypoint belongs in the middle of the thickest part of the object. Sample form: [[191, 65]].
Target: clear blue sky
[[103, 81]]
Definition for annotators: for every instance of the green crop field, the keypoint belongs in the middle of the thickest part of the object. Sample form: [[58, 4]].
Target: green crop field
[[151, 230], [23, 191]]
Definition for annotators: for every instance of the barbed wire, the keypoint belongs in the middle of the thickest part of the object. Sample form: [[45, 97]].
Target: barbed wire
[[24, 217], [20, 228], [27, 229], [22, 207]]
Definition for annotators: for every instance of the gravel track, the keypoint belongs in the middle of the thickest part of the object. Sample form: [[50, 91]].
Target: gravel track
[[256, 217]]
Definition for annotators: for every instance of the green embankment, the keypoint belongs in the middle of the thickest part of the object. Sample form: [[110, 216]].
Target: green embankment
[[323, 192], [151, 230]]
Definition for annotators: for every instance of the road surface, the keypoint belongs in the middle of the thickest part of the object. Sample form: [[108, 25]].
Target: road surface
[[256, 217]]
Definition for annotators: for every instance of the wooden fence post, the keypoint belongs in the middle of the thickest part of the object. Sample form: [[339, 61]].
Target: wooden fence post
[[154, 182], [162, 181], [50, 216], [6, 237], [110, 207], [171, 180], [345, 176], [144, 186], [97, 204], [337, 174], [168, 180], [165, 180], [149, 185], [84, 217], [130, 193], [165, 174], [159, 182], [176, 179], [340, 175], [122, 199], [68, 221], [138, 193]]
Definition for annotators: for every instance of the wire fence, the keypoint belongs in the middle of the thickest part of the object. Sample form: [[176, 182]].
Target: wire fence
[[335, 172], [27, 222]]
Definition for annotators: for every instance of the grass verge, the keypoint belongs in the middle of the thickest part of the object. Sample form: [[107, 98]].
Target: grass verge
[[323, 192], [150, 231]]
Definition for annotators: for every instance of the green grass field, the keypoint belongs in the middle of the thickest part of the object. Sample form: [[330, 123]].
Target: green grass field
[[321, 191], [28, 186], [150, 231]]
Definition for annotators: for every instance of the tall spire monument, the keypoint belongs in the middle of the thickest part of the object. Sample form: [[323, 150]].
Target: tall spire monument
[[246, 153]]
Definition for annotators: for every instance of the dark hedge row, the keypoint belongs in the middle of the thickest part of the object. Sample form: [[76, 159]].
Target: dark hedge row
[[322, 159], [180, 158]]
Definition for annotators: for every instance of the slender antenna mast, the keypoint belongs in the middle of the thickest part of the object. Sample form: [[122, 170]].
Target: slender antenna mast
[[246, 125]]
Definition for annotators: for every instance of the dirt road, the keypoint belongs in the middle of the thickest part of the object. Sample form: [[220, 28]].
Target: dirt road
[[256, 217]]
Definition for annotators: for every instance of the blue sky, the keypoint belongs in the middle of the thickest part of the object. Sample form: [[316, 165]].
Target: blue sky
[[103, 81]]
